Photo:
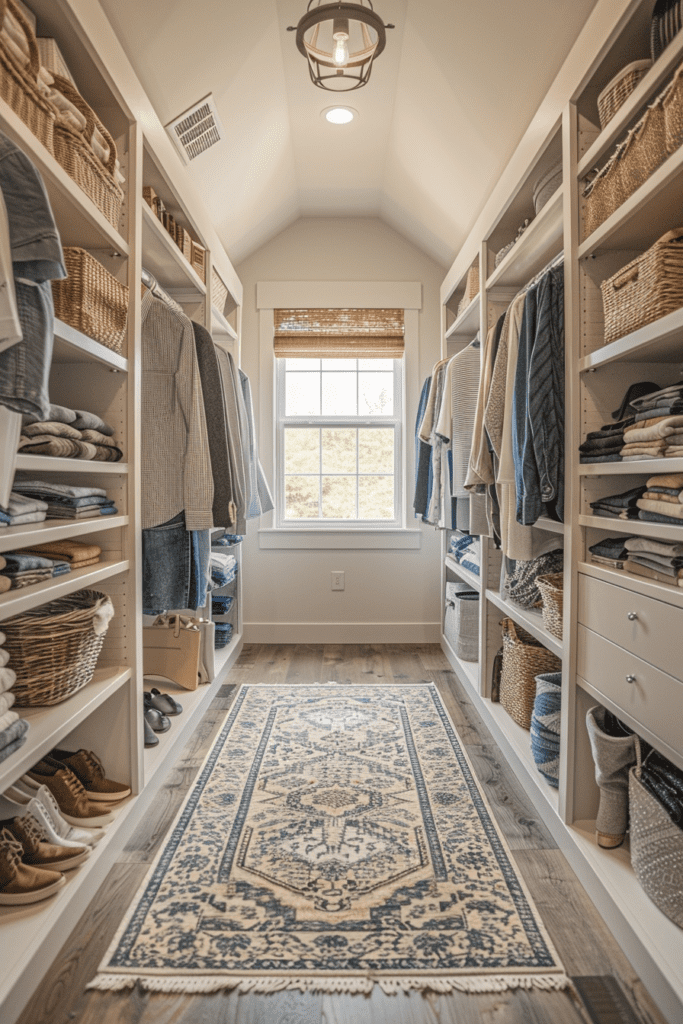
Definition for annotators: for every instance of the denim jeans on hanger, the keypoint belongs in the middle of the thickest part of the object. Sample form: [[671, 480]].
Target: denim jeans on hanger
[[166, 566], [200, 572]]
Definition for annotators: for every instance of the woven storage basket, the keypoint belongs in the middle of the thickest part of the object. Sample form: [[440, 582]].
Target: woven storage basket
[[198, 260], [523, 659], [673, 113], [647, 289], [667, 19], [18, 85], [656, 847], [547, 185], [461, 621], [551, 588], [219, 291], [51, 58], [54, 648], [471, 288], [75, 154], [184, 243], [545, 726], [616, 92], [91, 299]]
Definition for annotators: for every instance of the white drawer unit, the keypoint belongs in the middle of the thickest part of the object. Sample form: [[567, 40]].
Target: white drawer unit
[[650, 697], [650, 629]]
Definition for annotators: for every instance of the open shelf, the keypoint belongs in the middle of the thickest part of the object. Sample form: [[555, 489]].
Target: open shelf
[[80, 222], [463, 573], [467, 671], [541, 241], [648, 466], [549, 525], [162, 257], [220, 325], [658, 342], [48, 464], [70, 346], [48, 725], [635, 527], [14, 602], [669, 592], [530, 618], [13, 538], [468, 321], [519, 740]]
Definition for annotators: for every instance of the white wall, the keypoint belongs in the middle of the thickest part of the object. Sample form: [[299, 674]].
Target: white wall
[[391, 596]]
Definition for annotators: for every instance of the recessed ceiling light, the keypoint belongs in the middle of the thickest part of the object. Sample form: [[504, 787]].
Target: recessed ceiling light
[[339, 115]]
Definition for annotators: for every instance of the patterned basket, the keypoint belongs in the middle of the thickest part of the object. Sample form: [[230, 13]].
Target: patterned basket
[[75, 154], [219, 291], [616, 92], [18, 85], [551, 588], [545, 726], [547, 185], [524, 658], [471, 288], [461, 621], [91, 300], [647, 289], [54, 648]]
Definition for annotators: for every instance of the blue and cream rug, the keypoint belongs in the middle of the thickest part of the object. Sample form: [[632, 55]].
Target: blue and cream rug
[[335, 837]]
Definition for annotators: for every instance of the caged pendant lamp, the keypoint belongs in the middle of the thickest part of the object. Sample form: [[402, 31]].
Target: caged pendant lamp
[[340, 41]]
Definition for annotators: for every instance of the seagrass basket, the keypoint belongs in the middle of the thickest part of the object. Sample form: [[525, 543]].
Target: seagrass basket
[[18, 85], [673, 113], [91, 299], [647, 289], [551, 588], [523, 659], [54, 648], [219, 291], [198, 260], [75, 154], [616, 92], [471, 288]]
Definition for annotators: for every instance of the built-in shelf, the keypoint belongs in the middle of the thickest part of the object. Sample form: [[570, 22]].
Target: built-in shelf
[[549, 525], [221, 325], [70, 346], [48, 464], [645, 216], [14, 602], [669, 592], [541, 241], [519, 740], [467, 323], [467, 671], [162, 257], [80, 222], [648, 466], [13, 538], [463, 573], [48, 725], [635, 527], [658, 342], [530, 618]]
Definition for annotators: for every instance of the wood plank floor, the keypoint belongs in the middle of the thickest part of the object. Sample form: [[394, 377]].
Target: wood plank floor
[[582, 939]]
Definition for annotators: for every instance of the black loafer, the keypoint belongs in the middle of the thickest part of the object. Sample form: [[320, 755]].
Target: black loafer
[[154, 718], [163, 702]]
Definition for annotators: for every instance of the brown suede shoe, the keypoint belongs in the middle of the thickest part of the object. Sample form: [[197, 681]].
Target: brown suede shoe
[[71, 798], [89, 770], [20, 883], [41, 854]]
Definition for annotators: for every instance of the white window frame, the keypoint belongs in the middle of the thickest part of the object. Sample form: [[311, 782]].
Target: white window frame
[[396, 421]]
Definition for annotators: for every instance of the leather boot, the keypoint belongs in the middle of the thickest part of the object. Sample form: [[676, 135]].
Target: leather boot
[[613, 756]]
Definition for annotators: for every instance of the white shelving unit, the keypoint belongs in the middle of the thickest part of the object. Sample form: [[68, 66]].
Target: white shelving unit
[[465, 574]]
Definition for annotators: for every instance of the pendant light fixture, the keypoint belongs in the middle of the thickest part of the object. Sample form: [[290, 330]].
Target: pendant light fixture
[[340, 41]]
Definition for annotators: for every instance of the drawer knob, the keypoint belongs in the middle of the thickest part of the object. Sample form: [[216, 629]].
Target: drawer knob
[[632, 616], [631, 680]]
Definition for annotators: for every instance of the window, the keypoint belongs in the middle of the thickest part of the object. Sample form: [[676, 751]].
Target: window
[[339, 433]]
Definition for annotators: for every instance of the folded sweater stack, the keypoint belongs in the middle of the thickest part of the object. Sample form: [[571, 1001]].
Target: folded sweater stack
[[657, 437], [20, 569], [605, 445], [23, 509], [465, 549], [611, 551], [223, 569], [656, 559], [71, 553], [662, 499], [62, 501], [12, 728], [623, 506], [72, 434]]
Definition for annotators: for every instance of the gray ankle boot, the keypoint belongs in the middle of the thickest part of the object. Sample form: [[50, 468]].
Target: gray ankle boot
[[613, 756]]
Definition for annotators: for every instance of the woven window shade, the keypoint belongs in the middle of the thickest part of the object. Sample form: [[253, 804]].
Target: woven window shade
[[339, 333]]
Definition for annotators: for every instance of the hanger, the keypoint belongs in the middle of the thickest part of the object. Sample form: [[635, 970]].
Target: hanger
[[555, 262], [149, 281]]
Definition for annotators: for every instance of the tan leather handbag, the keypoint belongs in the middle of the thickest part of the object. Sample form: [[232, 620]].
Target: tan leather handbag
[[171, 649]]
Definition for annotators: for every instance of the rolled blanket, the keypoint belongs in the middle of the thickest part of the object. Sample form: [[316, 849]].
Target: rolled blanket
[[12, 738], [8, 678], [6, 701]]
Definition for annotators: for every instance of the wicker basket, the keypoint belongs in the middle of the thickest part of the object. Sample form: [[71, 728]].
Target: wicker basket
[[471, 288], [219, 291], [523, 659], [54, 648], [673, 113], [461, 621], [184, 243], [552, 594], [616, 92], [647, 289], [547, 185], [198, 260], [74, 152], [51, 58], [91, 300], [18, 85]]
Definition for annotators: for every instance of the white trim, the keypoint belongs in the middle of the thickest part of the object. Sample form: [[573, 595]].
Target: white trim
[[350, 538], [339, 295], [342, 632]]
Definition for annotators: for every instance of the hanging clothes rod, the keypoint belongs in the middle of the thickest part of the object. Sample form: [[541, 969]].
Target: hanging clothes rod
[[150, 281]]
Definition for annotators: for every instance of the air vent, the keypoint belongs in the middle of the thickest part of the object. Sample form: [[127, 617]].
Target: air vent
[[197, 129]]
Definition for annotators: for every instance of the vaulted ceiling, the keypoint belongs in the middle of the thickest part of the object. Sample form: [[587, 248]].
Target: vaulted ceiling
[[446, 105]]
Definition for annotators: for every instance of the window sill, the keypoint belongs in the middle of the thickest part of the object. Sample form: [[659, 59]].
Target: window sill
[[338, 539]]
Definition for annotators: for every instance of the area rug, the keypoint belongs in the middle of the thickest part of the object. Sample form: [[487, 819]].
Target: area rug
[[334, 838]]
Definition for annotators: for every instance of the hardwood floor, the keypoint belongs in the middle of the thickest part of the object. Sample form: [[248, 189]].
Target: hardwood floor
[[582, 939]]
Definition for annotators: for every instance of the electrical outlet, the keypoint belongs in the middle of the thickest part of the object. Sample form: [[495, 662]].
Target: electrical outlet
[[337, 580]]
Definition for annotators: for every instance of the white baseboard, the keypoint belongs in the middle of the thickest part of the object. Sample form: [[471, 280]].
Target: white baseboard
[[342, 632]]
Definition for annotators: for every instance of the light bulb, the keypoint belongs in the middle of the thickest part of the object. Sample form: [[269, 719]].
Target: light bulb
[[340, 54]]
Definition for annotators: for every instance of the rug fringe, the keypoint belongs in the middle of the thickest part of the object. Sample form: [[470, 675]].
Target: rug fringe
[[359, 985]]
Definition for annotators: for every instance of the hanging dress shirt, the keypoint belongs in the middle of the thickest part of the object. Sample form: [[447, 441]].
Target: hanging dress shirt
[[224, 509]]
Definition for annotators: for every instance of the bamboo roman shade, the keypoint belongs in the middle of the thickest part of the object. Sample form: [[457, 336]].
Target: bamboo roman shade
[[339, 333]]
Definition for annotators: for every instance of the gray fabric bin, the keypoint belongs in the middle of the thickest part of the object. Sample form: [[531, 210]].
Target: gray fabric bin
[[461, 620]]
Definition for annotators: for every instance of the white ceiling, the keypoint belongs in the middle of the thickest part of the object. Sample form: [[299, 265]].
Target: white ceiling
[[446, 105]]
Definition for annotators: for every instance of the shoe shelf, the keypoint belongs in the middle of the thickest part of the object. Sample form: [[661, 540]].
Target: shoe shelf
[[48, 725], [648, 467], [635, 527], [162, 257], [467, 671], [195, 702], [80, 221], [529, 618], [658, 342], [48, 464], [636, 584], [15, 537], [467, 323], [14, 602], [71, 346], [540, 242], [463, 573]]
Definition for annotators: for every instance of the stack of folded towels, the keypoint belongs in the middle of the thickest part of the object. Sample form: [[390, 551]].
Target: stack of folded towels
[[223, 569], [611, 551], [23, 509], [605, 445], [657, 559], [22, 569], [662, 500], [62, 501], [657, 430], [623, 506], [465, 549], [69, 434], [12, 728]]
